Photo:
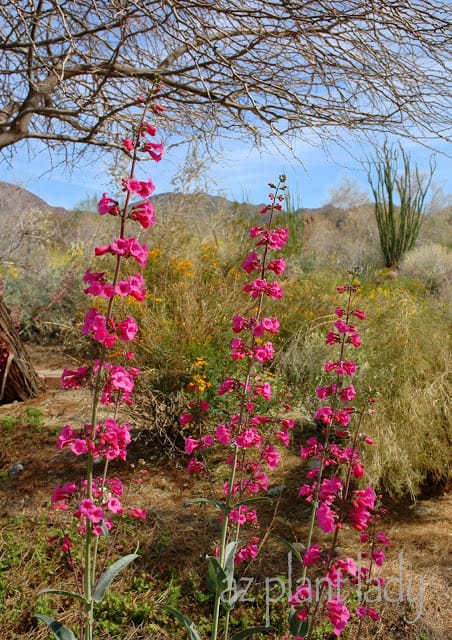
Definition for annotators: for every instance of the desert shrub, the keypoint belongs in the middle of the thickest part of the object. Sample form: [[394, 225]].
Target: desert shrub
[[187, 312], [431, 264], [42, 296], [340, 237], [408, 362], [437, 228]]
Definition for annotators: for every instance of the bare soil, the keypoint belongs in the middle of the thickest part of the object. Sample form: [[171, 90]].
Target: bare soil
[[419, 559]]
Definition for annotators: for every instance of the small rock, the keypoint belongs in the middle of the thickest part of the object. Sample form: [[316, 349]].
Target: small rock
[[16, 469], [276, 491]]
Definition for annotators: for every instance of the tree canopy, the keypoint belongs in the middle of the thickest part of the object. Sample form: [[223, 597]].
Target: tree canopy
[[71, 69]]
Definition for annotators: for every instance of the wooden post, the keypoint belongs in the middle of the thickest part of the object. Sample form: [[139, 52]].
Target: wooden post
[[18, 379]]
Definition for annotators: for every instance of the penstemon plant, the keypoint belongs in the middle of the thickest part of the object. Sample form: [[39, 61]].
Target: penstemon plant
[[96, 503], [337, 506], [247, 437]]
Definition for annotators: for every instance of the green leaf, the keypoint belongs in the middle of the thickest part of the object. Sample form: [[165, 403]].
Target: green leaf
[[62, 592], [229, 561], [250, 632], [110, 574], [216, 503], [297, 627], [186, 622], [57, 628], [216, 579]]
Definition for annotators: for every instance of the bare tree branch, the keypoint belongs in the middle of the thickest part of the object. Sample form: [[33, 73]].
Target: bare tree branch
[[70, 69]]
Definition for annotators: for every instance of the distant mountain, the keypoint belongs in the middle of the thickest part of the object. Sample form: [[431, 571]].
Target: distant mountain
[[14, 200]]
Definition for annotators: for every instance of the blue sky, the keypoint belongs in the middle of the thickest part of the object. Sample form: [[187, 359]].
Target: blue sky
[[241, 173]]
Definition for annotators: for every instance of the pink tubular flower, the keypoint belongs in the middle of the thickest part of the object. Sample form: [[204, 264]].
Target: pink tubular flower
[[143, 189], [114, 505], [256, 288], [311, 556], [195, 466], [62, 494], [238, 349], [264, 389], [88, 509], [278, 266], [251, 263], [325, 517], [355, 339], [155, 150], [248, 552], [362, 612], [324, 414], [74, 379], [243, 515], [378, 556], [137, 513], [79, 447], [249, 438], [127, 329], [227, 386], [382, 539], [264, 352], [223, 434], [271, 456], [332, 338], [125, 247], [338, 615], [107, 205], [66, 436], [266, 324], [283, 436], [343, 327], [150, 129], [302, 594], [239, 323], [191, 445], [127, 144], [345, 368], [66, 544], [143, 213], [347, 394]]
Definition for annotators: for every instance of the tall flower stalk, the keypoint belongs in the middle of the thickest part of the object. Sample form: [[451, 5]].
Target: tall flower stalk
[[335, 504], [95, 503], [247, 436]]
